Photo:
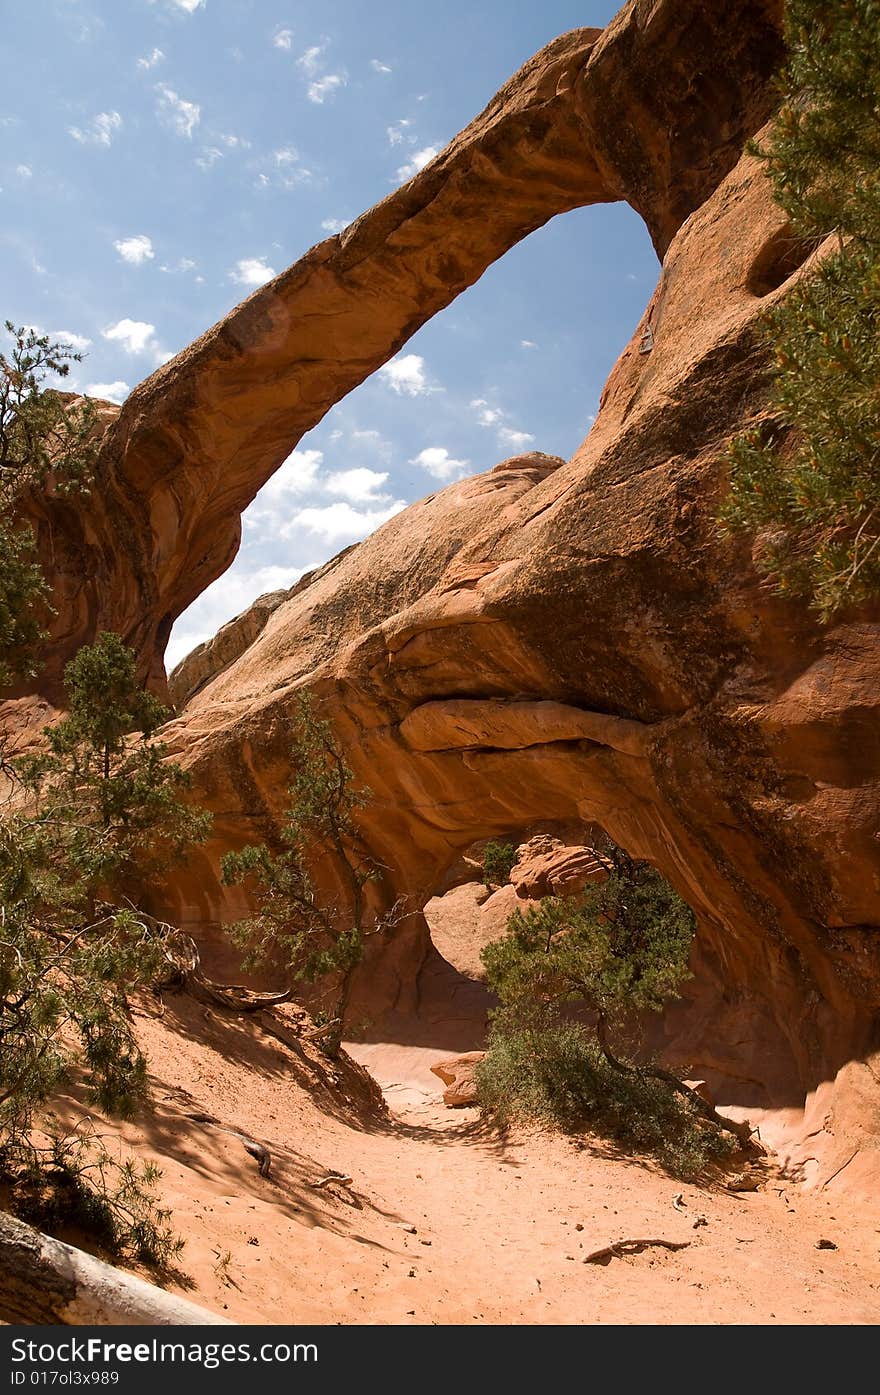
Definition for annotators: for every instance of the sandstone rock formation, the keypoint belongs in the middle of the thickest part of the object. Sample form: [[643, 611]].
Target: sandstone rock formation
[[545, 866], [210, 658], [570, 641], [654, 110], [457, 1075]]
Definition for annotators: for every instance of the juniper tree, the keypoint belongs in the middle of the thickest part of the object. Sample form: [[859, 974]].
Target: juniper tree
[[498, 862], [296, 926], [42, 435], [90, 819], [808, 479], [618, 948], [573, 976]]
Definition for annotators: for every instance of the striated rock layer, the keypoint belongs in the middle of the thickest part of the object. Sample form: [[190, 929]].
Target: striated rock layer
[[548, 640]]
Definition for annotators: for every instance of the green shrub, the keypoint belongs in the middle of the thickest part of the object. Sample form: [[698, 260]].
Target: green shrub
[[542, 1069], [498, 862]]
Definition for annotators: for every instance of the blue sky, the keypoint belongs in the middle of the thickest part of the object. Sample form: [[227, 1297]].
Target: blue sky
[[160, 158]]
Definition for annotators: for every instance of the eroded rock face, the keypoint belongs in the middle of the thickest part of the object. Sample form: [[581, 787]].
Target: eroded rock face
[[653, 110], [577, 641], [574, 640], [545, 866]]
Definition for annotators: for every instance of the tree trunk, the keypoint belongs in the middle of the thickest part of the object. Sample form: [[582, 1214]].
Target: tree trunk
[[45, 1282]]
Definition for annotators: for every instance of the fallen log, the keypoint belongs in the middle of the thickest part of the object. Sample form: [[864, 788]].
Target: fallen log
[[44, 1281]]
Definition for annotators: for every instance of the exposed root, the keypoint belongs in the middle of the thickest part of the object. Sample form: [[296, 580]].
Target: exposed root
[[256, 1150], [185, 971]]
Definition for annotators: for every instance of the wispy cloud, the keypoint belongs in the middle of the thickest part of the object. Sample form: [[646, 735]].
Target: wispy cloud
[[439, 463], [24, 171], [334, 225], [183, 264], [283, 170], [66, 336], [150, 59], [135, 250], [252, 271], [182, 116], [398, 132], [310, 61], [378, 66], [419, 160], [283, 39], [321, 83], [187, 6], [406, 375], [486, 415], [100, 130], [508, 436], [209, 157], [324, 87]]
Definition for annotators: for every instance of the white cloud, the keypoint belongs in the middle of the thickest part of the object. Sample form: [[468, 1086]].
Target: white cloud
[[439, 463], [134, 336], [100, 131], [209, 156], [227, 597], [188, 6], [419, 160], [406, 375], [285, 171], [135, 250], [23, 171], [486, 415], [310, 61], [283, 39], [340, 522], [359, 485], [323, 87], [109, 392], [378, 66], [252, 271], [183, 264], [334, 225], [397, 133], [177, 112], [374, 441], [527, 344], [75, 341], [508, 437], [150, 59], [296, 475], [235, 142]]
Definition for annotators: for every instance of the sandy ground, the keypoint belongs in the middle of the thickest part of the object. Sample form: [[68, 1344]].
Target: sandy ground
[[446, 1221]]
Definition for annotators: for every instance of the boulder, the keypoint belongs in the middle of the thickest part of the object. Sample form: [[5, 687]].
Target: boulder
[[457, 1075]]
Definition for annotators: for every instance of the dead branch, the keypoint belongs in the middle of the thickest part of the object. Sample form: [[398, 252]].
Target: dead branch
[[631, 1247]]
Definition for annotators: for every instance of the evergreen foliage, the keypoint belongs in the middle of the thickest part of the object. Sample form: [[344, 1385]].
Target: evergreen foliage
[[498, 862], [572, 975], [43, 439], [87, 821], [807, 481], [294, 924]]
